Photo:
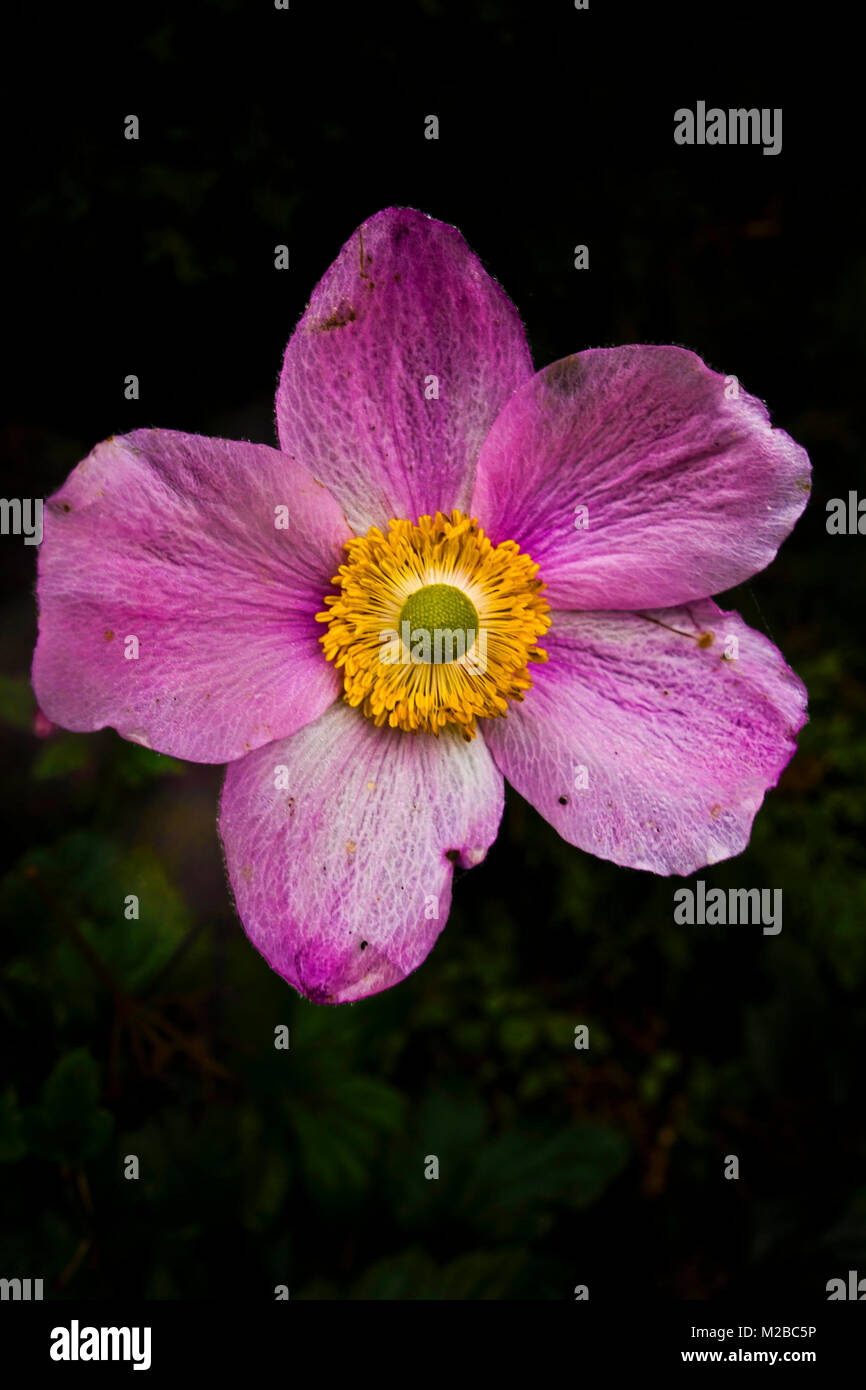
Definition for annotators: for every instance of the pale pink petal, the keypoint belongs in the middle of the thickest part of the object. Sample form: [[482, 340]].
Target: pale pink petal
[[340, 844], [687, 489], [398, 368], [640, 740], [172, 540]]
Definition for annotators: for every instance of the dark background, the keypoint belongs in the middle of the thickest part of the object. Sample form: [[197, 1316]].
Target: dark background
[[155, 1038]]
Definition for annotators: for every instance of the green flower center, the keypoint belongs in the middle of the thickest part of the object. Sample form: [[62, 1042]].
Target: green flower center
[[443, 618]]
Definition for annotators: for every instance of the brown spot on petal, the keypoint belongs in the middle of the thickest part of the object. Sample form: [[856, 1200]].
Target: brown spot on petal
[[340, 317], [350, 847], [715, 811], [108, 634], [362, 257], [247, 872], [706, 639]]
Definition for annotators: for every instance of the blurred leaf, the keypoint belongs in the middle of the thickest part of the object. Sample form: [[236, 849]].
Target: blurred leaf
[[481, 1274], [411, 1275], [89, 878], [339, 1132], [69, 1125], [519, 1177], [61, 755], [267, 1172], [17, 703], [478, 1274], [134, 765]]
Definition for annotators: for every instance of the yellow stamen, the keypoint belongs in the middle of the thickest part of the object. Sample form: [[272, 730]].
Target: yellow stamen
[[434, 625]]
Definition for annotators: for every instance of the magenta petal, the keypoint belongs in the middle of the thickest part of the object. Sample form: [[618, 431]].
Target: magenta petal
[[172, 539], [405, 302], [687, 488], [644, 745], [340, 844]]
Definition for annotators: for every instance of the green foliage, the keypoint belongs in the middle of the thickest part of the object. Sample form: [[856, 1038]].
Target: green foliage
[[17, 705], [478, 1274], [338, 1138], [69, 1125], [83, 881], [61, 755]]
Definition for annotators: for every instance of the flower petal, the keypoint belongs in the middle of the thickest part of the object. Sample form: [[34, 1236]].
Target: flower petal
[[172, 539], [688, 489], [405, 301], [341, 864], [677, 742]]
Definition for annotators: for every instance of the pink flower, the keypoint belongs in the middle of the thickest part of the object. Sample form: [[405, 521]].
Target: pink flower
[[199, 596]]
